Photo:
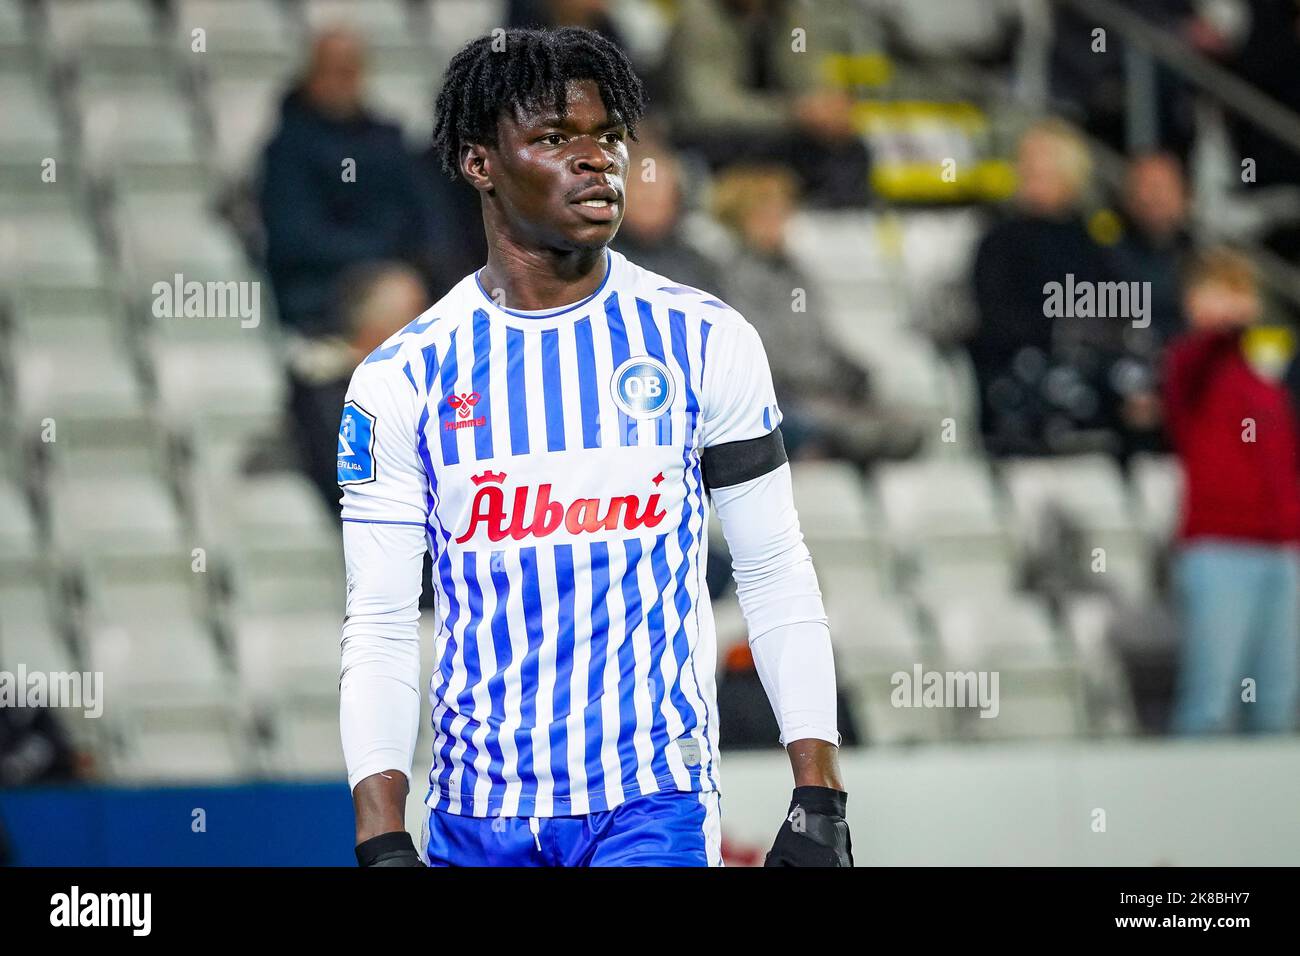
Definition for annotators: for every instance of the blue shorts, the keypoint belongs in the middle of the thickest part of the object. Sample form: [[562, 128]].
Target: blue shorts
[[670, 828]]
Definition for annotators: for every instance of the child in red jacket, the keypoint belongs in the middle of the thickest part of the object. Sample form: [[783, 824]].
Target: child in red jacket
[[1235, 572]]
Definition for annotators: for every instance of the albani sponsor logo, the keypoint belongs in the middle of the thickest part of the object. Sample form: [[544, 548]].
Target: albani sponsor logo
[[583, 515]]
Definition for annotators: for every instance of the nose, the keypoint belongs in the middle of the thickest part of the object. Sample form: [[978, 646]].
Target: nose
[[590, 156]]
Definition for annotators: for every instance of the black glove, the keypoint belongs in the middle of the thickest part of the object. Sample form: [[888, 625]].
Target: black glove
[[389, 849], [815, 832]]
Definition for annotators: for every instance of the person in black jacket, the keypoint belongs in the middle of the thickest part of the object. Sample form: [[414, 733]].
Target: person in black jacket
[[338, 188]]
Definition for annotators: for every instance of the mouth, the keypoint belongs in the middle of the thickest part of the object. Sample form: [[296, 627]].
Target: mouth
[[597, 210]]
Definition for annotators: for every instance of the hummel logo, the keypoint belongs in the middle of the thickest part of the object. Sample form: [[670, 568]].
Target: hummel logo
[[464, 405]]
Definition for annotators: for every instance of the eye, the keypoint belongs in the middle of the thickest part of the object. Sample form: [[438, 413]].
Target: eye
[[613, 136], [552, 139]]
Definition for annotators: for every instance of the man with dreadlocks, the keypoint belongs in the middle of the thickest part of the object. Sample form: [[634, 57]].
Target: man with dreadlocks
[[551, 431]]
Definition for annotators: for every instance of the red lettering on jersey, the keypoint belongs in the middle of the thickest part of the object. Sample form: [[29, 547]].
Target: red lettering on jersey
[[547, 514], [488, 509]]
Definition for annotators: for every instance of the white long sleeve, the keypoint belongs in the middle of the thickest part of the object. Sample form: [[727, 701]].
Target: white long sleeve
[[379, 697], [782, 604]]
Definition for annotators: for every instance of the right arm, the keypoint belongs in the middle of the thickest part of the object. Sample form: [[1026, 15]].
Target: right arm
[[1188, 369], [384, 493]]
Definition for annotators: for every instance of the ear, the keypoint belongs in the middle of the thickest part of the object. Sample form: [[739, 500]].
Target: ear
[[476, 166]]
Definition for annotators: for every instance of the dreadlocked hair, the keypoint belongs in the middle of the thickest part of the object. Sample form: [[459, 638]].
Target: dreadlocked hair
[[530, 73]]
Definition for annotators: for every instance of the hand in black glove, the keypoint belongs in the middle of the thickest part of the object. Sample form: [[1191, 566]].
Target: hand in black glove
[[815, 832], [389, 849]]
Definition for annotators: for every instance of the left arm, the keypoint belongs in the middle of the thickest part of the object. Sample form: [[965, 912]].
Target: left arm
[[748, 478], [788, 632]]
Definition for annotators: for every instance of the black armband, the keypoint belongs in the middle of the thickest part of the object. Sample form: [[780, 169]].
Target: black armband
[[736, 462]]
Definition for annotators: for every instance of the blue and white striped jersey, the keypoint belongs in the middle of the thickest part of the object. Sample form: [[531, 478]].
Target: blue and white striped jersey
[[553, 460]]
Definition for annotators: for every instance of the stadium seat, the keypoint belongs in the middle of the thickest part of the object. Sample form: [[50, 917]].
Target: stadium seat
[[86, 404], [122, 518], [1040, 687], [946, 522], [33, 132], [405, 95], [141, 136], [21, 549], [166, 235], [244, 114], [110, 34], [1089, 493], [206, 741], [837, 519], [283, 546], [234, 386], [30, 633], [1110, 698], [46, 249], [235, 29], [453, 23], [877, 637], [278, 650], [51, 317], [1157, 489], [384, 24], [306, 741]]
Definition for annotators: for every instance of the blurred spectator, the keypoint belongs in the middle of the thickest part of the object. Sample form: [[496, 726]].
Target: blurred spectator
[[1235, 573], [1268, 60], [34, 749], [1154, 251], [1156, 241], [549, 14], [1088, 81], [742, 93], [1048, 384], [338, 187], [823, 393], [651, 233], [458, 245], [375, 300]]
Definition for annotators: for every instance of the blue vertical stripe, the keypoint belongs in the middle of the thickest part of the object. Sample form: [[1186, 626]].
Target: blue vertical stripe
[[627, 434], [587, 384], [473, 674], [447, 414], [593, 731], [654, 345], [553, 393], [517, 389], [686, 539], [529, 674], [564, 645], [658, 640], [627, 688], [499, 579], [430, 353], [482, 383]]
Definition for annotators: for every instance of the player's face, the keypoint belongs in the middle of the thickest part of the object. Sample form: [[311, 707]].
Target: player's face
[[560, 180]]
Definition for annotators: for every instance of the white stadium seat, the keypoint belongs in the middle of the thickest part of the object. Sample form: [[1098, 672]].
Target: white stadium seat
[[945, 517], [50, 250], [127, 517], [1158, 490], [141, 135], [1089, 491]]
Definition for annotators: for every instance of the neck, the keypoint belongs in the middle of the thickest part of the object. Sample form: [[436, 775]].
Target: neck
[[529, 279]]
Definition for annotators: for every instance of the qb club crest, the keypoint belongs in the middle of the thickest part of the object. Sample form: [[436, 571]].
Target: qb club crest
[[356, 456], [642, 387]]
